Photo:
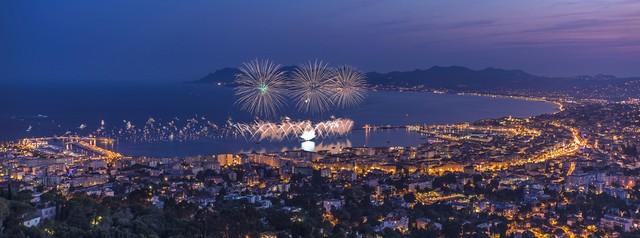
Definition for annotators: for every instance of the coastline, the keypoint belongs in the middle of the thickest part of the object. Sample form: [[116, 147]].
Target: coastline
[[557, 102], [357, 137], [355, 141]]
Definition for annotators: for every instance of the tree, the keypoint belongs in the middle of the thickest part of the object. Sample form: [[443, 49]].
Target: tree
[[278, 219], [410, 197], [4, 211], [451, 229], [390, 233]]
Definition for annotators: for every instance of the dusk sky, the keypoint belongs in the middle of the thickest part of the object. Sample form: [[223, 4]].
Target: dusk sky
[[184, 40]]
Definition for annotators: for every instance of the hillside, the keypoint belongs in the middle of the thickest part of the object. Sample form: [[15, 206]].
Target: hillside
[[457, 78]]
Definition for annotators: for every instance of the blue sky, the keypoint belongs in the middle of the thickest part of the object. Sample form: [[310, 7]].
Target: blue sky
[[183, 40]]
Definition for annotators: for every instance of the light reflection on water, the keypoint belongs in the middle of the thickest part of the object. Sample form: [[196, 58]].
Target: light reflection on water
[[311, 146]]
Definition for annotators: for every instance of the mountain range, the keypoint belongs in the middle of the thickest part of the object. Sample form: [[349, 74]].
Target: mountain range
[[457, 78]]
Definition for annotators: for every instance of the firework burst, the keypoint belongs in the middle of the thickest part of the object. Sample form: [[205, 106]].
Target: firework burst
[[261, 87], [348, 86], [310, 87], [263, 130]]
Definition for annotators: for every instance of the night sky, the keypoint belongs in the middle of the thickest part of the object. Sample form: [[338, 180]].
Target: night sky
[[183, 40]]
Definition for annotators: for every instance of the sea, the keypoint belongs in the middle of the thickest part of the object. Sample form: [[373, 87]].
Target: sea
[[36, 110]]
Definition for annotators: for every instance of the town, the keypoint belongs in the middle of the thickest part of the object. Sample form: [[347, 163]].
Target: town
[[573, 173]]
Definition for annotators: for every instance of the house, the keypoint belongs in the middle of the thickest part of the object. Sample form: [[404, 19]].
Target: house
[[31, 221], [332, 204], [41, 214], [610, 222], [422, 223], [396, 221], [47, 212]]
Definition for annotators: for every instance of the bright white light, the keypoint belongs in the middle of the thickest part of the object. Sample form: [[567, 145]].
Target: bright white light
[[309, 146], [308, 135]]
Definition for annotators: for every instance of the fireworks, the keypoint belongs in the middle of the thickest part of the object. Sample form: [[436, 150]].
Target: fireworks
[[156, 130], [310, 87], [262, 130], [348, 87], [200, 128], [314, 87], [261, 88]]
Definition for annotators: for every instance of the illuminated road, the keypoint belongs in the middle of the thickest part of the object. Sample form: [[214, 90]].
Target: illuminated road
[[87, 143], [557, 151], [110, 155]]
